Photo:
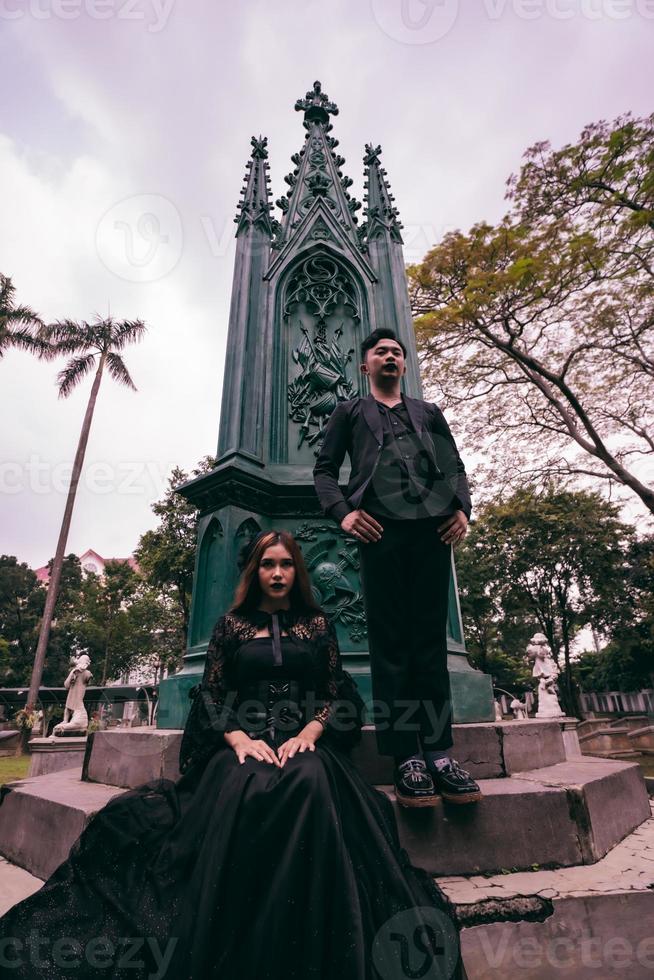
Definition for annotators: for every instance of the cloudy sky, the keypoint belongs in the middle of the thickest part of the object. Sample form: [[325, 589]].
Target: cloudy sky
[[124, 132]]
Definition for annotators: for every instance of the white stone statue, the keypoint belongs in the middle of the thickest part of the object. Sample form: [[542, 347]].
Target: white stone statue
[[546, 670], [498, 710], [75, 714], [519, 709]]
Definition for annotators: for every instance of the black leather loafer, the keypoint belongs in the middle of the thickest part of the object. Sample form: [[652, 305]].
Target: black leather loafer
[[455, 784], [413, 784]]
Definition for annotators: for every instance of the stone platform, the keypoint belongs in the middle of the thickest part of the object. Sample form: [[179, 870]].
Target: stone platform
[[538, 807], [550, 874], [130, 756]]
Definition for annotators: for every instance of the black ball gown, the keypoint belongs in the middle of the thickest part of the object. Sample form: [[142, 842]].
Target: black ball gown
[[244, 871]]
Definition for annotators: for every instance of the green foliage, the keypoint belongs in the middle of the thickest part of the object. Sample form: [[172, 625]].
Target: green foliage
[[552, 562], [22, 598], [540, 329], [20, 326], [99, 623], [626, 663], [167, 553]]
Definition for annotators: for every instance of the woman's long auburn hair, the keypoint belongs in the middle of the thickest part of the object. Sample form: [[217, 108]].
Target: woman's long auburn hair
[[247, 594]]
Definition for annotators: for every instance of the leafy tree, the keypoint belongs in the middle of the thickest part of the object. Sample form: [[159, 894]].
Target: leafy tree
[[626, 663], [20, 326], [88, 345], [497, 625], [22, 599], [21, 605], [156, 629], [100, 622], [554, 561], [167, 554], [540, 329]]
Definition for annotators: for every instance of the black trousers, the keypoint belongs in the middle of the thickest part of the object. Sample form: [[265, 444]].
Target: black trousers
[[405, 578]]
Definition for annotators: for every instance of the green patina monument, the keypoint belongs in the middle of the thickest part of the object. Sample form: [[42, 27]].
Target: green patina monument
[[307, 290]]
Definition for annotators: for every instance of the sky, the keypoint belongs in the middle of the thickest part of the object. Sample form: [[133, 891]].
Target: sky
[[124, 133]]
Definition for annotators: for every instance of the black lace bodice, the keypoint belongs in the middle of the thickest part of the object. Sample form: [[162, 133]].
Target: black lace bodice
[[317, 668]]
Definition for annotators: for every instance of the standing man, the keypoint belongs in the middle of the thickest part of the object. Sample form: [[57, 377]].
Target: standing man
[[407, 503]]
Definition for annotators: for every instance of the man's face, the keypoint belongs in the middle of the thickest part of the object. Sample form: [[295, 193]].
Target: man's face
[[384, 360]]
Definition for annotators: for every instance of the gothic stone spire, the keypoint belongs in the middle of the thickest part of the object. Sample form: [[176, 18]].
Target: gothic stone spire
[[255, 208], [317, 173], [382, 217]]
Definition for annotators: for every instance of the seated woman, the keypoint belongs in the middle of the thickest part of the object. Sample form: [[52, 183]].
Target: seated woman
[[271, 858]]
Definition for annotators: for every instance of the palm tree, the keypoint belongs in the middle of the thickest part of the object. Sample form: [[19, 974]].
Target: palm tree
[[20, 326], [86, 342]]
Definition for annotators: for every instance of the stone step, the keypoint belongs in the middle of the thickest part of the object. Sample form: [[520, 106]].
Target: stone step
[[565, 814], [570, 813], [41, 817], [613, 754], [577, 923], [129, 757], [606, 740]]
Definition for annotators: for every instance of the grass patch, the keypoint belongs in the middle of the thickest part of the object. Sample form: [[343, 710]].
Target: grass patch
[[13, 767]]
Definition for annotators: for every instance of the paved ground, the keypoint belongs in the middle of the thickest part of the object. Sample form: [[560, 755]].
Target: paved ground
[[15, 884]]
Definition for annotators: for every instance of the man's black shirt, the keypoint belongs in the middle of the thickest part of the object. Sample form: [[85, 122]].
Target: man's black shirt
[[405, 485]]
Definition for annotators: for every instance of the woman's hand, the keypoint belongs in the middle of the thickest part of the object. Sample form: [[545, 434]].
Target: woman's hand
[[299, 743], [245, 746]]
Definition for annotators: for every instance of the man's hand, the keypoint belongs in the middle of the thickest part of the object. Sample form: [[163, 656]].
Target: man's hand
[[244, 746], [362, 526], [454, 528]]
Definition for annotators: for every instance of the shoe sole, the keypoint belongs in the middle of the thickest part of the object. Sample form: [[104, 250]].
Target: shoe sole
[[407, 801], [462, 798]]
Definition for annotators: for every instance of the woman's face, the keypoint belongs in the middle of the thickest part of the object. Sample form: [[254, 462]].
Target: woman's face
[[276, 572]]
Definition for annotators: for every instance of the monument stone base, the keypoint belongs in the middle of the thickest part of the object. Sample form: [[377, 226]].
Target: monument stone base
[[52, 754], [472, 692]]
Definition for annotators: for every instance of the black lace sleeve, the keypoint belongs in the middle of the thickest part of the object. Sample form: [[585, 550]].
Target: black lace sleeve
[[212, 711], [341, 710]]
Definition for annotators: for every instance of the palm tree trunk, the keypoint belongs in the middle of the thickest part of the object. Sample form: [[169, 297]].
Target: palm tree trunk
[[55, 575]]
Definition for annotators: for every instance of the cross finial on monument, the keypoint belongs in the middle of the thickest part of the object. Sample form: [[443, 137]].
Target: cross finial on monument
[[316, 105], [372, 154], [259, 147]]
